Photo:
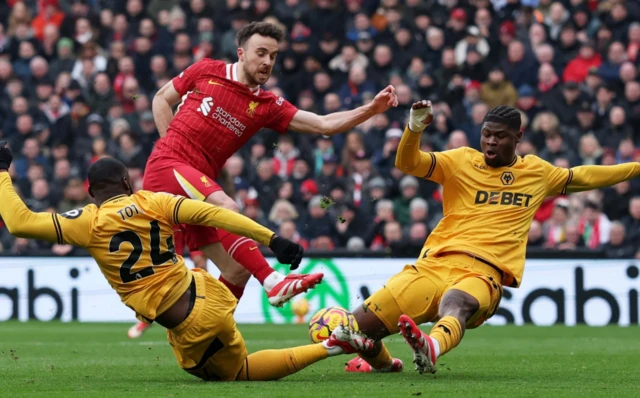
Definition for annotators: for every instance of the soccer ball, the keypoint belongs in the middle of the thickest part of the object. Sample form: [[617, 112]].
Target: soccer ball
[[326, 320]]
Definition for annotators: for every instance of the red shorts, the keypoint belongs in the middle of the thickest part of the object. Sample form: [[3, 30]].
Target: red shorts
[[172, 176]]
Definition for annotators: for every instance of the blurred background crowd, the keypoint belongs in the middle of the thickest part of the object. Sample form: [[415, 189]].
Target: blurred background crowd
[[77, 78]]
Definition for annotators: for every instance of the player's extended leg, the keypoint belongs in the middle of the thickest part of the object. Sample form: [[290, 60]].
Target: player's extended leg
[[275, 364], [279, 288], [378, 359], [412, 291], [208, 344], [467, 304]]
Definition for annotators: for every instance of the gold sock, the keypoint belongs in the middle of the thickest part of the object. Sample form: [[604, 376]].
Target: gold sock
[[276, 364], [448, 332], [381, 361]]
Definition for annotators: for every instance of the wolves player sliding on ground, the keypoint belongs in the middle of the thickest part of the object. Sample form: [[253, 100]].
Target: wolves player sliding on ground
[[131, 238], [199, 261], [222, 107], [490, 198]]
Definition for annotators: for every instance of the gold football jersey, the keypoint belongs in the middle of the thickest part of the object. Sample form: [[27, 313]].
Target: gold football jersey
[[131, 239], [488, 211]]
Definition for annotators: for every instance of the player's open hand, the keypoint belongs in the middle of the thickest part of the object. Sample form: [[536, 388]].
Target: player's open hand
[[5, 156], [385, 99], [286, 251], [421, 116]]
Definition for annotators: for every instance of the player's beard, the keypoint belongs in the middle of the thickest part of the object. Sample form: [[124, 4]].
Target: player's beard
[[253, 77]]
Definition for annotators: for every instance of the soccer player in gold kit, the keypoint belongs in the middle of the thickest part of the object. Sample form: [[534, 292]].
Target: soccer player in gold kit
[[490, 198], [131, 238]]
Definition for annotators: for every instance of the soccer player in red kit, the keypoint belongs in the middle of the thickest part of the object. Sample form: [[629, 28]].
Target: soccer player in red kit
[[222, 107]]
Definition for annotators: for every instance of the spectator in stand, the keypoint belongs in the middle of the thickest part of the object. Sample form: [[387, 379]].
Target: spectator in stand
[[281, 212], [284, 157], [289, 231], [316, 222], [401, 207], [632, 222], [349, 224], [555, 229], [618, 247], [75, 196], [519, 65], [573, 238], [48, 13], [610, 68], [590, 150], [578, 68], [594, 226], [266, 184], [498, 91], [616, 202], [384, 159], [535, 236]]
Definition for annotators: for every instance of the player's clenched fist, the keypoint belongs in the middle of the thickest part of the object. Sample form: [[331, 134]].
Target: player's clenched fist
[[421, 116], [5, 156], [286, 251]]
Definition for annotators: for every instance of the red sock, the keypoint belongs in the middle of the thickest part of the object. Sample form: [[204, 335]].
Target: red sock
[[237, 291], [246, 252]]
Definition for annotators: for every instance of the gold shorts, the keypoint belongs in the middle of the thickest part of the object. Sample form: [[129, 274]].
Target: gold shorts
[[417, 290], [208, 344]]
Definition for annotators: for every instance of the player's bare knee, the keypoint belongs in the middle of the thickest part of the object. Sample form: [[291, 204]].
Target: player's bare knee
[[370, 324], [458, 304]]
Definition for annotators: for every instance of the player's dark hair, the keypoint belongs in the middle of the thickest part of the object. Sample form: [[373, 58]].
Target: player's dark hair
[[506, 115], [259, 28], [106, 173]]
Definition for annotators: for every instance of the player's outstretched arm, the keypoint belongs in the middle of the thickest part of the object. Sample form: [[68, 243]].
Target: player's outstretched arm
[[161, 106], [189, 211], [21, 221], [409, 158], [339, 122], [585, 178]]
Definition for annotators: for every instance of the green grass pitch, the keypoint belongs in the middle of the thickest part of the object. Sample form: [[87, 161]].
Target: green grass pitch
[[66, 359]]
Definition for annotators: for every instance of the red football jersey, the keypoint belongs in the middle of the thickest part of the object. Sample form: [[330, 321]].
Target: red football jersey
[[218, 115]]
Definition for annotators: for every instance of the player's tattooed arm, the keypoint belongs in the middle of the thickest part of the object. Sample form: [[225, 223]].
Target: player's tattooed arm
[[162, 105], [339, 122]]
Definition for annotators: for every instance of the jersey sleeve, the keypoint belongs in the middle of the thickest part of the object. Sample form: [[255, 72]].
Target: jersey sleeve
[[70, 227], [75, 226], [180, 210], [586, 178], [186, 80], [557, 178], [445, 164], [434, 166], [282, 112]]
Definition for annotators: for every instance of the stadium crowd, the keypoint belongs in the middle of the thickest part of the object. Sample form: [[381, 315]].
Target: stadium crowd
[[77, 78]]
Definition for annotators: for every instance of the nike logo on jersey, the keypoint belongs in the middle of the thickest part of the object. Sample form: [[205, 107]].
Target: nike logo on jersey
[[215, 83], [253, 248]]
